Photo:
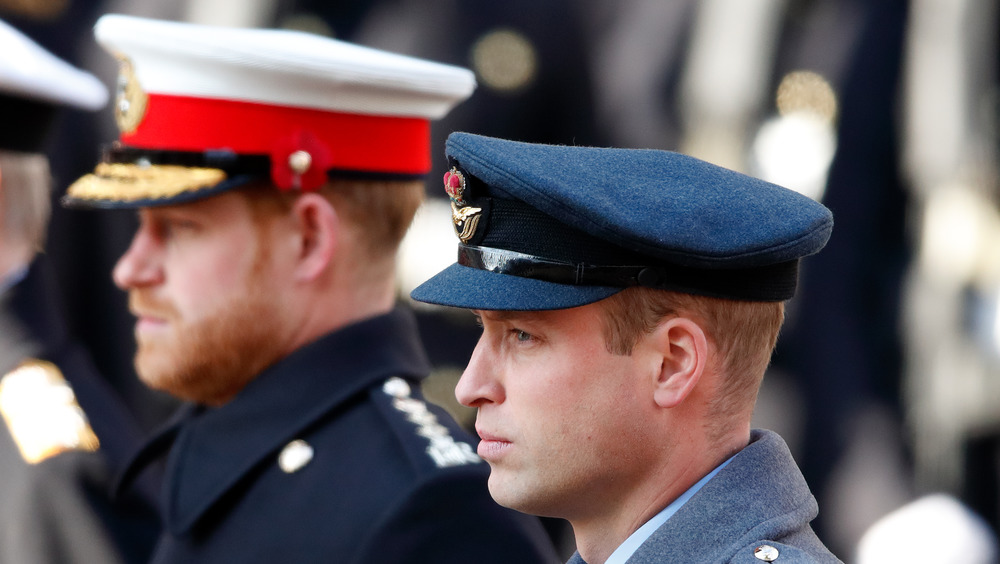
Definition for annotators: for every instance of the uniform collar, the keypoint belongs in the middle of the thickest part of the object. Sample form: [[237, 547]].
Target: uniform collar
[[775, 503], [635, 540], [9, 279], [214, 449]]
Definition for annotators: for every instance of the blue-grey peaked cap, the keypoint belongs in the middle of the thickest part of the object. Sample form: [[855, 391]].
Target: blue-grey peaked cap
[[550, 227]]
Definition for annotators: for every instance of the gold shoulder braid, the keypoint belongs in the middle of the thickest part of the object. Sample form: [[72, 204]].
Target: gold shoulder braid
[[41, 412]]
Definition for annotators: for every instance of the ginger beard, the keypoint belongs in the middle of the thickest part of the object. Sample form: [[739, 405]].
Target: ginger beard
[[208, 360]]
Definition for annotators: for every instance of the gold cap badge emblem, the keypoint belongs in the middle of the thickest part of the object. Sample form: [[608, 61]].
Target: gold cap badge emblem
[[130, 98], [464, 216]]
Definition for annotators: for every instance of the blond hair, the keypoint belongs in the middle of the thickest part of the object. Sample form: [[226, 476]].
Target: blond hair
[[743, 333]]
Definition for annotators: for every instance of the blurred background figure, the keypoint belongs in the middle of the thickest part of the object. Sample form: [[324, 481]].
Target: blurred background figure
[[887, 377], [65, 431], [952, 319], [961, 536]]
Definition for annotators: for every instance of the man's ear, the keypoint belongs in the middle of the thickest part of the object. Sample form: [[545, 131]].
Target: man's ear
[[684, 348], [319, 233]]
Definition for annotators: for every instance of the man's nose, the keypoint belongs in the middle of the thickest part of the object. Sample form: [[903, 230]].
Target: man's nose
[[140, 265], [480, 383]]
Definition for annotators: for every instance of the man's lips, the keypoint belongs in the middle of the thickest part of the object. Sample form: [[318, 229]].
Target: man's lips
[[149, 309], [148, 321], [491, 447]]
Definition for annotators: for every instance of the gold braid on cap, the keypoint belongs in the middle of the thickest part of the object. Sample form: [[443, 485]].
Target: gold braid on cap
[[124, 182]]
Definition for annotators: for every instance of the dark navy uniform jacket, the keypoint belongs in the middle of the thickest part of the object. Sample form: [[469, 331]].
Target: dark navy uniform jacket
[[60, 510], [331, 455]]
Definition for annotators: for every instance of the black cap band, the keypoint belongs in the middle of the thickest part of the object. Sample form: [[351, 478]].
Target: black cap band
[[232, 163], [774, 282]]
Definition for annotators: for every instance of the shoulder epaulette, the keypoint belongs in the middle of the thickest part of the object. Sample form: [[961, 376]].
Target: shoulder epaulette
[[443, 449], [42, 413]]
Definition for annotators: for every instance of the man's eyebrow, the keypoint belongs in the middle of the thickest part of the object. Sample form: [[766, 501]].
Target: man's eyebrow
[[497, 314]]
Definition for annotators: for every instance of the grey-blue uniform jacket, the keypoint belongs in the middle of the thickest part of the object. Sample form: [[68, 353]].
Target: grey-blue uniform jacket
[[58, 508], [332, 455], [756, 509]]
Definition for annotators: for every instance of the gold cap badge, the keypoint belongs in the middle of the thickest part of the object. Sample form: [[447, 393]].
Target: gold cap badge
[[130, 98], [464, 216]]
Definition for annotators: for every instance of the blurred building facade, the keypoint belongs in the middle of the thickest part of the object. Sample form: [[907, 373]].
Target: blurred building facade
[[951, 156], [886, 380]]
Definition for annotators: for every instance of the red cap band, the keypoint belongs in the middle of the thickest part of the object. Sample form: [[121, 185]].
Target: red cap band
[[356, 142]]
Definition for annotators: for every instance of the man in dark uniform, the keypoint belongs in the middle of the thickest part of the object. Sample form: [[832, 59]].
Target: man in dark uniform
[[630, 301], [274, 174], [65, 431]]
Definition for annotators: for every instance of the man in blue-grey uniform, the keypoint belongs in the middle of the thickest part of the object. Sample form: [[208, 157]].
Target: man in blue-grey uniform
[[274, 174], [630, 300], [64, 431]]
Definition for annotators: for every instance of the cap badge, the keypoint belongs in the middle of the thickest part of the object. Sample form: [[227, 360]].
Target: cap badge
[[464, 216], [130, 98], [299, 162]]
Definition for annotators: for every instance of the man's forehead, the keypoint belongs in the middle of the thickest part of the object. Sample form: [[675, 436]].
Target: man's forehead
[[497, 314], [540, 316], [207, 206]]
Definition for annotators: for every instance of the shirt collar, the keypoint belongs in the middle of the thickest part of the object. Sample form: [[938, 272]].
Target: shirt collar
[[635, 540], [10, 279]]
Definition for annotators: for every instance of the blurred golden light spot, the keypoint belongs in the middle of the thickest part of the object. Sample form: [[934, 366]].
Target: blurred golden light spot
[[36, 9], [505, 60], [807, 91]]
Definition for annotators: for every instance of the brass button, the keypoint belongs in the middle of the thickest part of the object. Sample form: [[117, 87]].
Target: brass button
[[299, 162], [294, 456]]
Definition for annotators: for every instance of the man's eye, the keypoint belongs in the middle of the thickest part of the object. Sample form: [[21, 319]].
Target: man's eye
[[172, 228], [521, 336]]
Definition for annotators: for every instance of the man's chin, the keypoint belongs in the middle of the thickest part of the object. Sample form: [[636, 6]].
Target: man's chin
[[183, 377], [155, 371], [502, 492]]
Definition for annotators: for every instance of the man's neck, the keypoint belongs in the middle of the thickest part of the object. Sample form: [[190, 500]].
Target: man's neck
[[598, 535], [338, 308]]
